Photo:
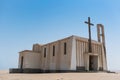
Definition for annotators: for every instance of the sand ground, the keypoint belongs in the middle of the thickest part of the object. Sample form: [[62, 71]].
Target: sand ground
[[4, 75]]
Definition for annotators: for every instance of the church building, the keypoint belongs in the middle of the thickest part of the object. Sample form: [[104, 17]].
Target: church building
[[70, 54]]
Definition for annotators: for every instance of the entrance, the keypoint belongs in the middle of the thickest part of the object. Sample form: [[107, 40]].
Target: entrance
[[21, 67], [93, 63]]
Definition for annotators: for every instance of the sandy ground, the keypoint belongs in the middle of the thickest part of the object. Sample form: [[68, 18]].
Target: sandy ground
[[4, 75]]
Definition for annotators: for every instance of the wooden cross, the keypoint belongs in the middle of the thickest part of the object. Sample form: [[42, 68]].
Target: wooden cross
[[89, 27]]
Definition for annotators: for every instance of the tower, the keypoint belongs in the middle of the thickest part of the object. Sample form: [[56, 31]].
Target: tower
[[101, 39]]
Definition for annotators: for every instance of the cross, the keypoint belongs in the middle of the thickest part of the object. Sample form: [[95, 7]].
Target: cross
[[89, 27]]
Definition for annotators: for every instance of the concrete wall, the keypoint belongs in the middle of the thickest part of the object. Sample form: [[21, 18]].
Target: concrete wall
[[73, 54], [59, 61], [30, 60], [82, 53], [36, 48]]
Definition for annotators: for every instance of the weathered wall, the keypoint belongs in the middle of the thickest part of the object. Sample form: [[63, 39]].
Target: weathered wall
[[36, 48], [59, 61], [73, 54], [30, 59], [82, 50]]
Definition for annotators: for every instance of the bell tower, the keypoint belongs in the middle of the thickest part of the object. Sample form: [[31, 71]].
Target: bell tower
[[100, 33], [101, 39]]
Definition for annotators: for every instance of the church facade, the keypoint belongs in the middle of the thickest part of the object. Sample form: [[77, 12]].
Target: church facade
[[68, 54]]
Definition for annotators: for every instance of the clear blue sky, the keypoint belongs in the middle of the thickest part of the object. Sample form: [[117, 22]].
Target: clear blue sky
[[25, 22]]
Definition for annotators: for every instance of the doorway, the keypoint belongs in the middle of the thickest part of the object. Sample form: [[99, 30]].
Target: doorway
[[93, 63], [21, 67]]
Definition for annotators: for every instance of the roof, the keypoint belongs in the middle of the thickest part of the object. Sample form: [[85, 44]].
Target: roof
[[77, 37], [26, 51]]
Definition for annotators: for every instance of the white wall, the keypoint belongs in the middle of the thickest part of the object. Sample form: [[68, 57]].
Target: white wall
[[31, 60], [73, 54], [60, 61]]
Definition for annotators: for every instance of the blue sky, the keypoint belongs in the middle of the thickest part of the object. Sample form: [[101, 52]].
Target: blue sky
[[25, 22]]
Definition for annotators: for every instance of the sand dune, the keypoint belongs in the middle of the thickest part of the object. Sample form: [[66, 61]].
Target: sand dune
[[4, 75]]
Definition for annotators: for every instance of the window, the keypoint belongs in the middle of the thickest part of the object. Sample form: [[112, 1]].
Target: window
[[65, 45], [44, 52], [53, 50]]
